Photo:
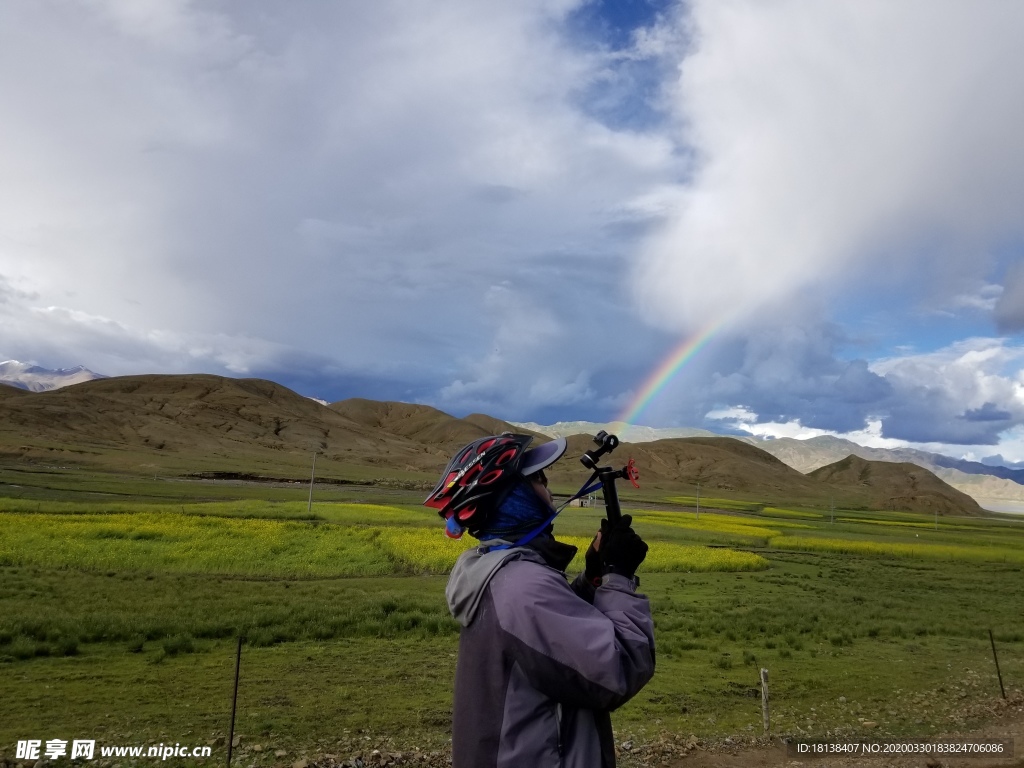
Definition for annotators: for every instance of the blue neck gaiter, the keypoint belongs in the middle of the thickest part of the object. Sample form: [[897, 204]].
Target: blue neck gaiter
[[520, 512]]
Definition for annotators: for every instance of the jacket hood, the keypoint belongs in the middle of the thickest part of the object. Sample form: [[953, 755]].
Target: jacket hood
[[476, 567], [472, 573]]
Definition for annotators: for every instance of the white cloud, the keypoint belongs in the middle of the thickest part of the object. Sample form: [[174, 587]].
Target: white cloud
[[524, 369], [744, 419], [835, 140], [1011, 446], [733, 414], [984, 299], [965, 400], [1011, 443], [978, 378], [347, 180], [115, 348]]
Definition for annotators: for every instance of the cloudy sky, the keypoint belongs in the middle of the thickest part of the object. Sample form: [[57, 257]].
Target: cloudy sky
[[524, 208]]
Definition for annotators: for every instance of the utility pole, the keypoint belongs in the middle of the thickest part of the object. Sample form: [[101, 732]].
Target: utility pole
[[312, 477], [832, 508], [698, 501]]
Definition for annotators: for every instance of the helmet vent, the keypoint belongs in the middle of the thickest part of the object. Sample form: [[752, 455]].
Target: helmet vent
[[491, 476], [505, 457], [470, 474]]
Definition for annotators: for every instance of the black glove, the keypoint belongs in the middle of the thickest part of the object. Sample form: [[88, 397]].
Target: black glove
[[622, 550]]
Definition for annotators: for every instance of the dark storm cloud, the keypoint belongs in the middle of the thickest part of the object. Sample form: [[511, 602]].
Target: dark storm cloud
[[790, 377], [987, 412], [1010, 306], [927, 416], [790, 369], [967, 393]]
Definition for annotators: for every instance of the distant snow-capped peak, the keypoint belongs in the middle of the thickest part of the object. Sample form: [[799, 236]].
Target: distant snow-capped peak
[[630, 433], [35, 378]]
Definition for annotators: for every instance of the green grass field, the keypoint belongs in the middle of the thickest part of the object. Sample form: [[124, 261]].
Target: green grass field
[[121, 598]]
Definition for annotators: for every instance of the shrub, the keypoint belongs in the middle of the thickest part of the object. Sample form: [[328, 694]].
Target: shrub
[[172, 646]]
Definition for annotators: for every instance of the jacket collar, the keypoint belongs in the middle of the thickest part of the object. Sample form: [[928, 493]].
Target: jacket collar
[[556, 554]]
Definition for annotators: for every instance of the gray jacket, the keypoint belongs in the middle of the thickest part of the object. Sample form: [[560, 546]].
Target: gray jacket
[[542, 663]]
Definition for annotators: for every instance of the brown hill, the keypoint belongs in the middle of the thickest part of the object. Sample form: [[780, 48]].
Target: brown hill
[[421, 423], [169, 410], [7, 390], [896, 486], [200, 423], [210, 423], [719, 464], [205, 421]]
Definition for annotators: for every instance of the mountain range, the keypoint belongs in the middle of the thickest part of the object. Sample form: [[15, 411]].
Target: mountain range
[[980, 481], [37, 379], [210, 426], [631, 433]]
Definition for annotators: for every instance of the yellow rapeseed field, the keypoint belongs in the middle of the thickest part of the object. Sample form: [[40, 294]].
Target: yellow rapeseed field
[[335, 512], [148, 541], [929, 526], [425, 549], [899, 549], [791, 513], [727, 524], [680, 557], [189, 543]]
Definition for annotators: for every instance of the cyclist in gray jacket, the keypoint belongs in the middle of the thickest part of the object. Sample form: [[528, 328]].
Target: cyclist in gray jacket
[[542, 662]]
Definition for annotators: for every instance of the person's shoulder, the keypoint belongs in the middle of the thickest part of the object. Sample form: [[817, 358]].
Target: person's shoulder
[[524, 576]]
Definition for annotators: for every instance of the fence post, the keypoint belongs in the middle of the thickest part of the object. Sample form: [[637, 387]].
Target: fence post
[[764, 700], [996, 659], [234, 700]]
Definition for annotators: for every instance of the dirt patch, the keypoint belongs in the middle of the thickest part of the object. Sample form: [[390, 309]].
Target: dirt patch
[[1006, 722]]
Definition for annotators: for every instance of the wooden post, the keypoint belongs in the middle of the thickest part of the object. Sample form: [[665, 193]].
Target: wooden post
[[234, 700], [996, 658], [312, 477], [764, 700]]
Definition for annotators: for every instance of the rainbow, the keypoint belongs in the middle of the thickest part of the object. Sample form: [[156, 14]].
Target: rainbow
[[667, 369]]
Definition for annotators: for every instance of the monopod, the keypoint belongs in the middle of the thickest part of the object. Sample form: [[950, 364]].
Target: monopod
[[606, 444]]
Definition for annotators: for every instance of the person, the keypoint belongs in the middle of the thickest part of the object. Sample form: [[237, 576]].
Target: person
[[541, 662]]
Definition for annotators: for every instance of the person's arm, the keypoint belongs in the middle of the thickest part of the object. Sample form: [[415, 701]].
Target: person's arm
[[584, 587], [586, 583], [588, 656]]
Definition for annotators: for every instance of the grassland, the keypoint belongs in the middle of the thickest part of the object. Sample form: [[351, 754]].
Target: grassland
[[121, 598]]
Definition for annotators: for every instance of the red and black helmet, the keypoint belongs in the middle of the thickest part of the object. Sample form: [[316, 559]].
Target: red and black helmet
[[478, 479]]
